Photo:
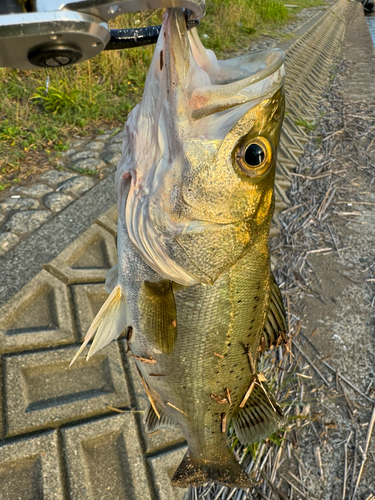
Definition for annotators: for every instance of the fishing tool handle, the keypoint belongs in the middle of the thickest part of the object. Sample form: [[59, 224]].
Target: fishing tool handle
[[55, 33]]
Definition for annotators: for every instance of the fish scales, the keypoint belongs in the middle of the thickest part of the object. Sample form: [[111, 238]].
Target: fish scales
[[195, 186]]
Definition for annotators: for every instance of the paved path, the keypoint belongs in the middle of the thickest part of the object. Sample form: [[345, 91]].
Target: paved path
[[77, 433]]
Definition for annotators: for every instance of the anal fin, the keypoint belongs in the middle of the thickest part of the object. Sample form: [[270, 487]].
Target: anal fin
[[259, 418], [154, 423], [275, 324]]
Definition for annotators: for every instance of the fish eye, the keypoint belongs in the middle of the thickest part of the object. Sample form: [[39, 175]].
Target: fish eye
[[254, 157]]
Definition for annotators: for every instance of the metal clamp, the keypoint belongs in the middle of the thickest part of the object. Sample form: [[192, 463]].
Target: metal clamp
[[57, 33]]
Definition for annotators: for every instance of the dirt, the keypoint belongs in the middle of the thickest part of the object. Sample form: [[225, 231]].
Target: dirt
[[325, 257]]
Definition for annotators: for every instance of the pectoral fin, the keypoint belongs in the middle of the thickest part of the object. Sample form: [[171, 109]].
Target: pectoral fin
[[108, 323], [275, 323], [157, 313], [154, 423], [259, 418]]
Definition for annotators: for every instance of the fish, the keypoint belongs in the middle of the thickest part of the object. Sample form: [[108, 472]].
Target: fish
[[193, 287]]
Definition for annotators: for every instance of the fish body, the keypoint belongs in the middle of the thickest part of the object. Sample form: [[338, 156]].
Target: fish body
[[193, 283]]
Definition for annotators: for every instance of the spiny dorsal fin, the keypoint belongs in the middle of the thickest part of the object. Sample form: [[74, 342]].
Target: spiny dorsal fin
[[153, 423], [108, 323], [275, 318], [258, 418]]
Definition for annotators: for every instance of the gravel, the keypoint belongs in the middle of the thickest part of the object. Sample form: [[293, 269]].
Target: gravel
[[55, 177], [118, 137], [35, 191], [113, 158], [82, 155], [57, 201], [18, 204], [90, 164], [24, 222], [76, 186], [7, 241], [95, 146]]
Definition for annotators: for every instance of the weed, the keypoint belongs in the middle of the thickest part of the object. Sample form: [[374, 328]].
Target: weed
[[57, 99], [308, 125], [91, 95]]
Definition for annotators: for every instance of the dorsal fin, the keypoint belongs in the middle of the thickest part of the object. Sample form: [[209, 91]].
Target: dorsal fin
[[276, 317], [259, 418], [153, 423]]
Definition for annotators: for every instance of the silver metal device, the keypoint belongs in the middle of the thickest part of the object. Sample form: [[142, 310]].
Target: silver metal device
[[55, 33]]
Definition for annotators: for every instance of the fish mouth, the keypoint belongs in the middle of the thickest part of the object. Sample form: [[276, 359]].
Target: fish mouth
[[188, 95]]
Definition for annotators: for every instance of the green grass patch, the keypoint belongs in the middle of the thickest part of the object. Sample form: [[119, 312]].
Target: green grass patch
[[89, 97]]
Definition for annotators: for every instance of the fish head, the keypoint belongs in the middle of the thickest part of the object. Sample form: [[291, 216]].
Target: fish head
[[197, 172]]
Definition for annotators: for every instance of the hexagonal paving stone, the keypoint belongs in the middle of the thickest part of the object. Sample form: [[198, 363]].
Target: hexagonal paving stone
[[42, 391], [105, 461], [31, 470], [88, 299], [87, 259], [39, 315], [109, 220], [164, 466]]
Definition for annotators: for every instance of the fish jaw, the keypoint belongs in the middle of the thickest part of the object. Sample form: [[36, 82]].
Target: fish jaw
[[178, 136]]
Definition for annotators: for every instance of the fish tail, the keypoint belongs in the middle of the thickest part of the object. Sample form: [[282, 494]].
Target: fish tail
[[108, 323], [195, 471]]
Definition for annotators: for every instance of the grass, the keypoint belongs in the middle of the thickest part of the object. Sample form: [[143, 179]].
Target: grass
[[37, 118]]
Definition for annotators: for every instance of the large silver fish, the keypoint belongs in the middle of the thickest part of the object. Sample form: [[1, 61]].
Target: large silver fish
[[193, 284]]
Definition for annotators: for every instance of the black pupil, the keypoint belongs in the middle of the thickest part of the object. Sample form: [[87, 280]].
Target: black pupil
[[254, 155]]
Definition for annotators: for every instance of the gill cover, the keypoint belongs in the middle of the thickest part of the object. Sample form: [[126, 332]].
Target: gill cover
[[195, 152]]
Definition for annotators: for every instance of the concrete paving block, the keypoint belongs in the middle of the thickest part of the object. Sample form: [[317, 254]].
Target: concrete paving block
[[105, 461], [163, 467], [109, 220], [87, 259], [88, 299], [30, 469], [42, 391], [159, 440], [39, 315]]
